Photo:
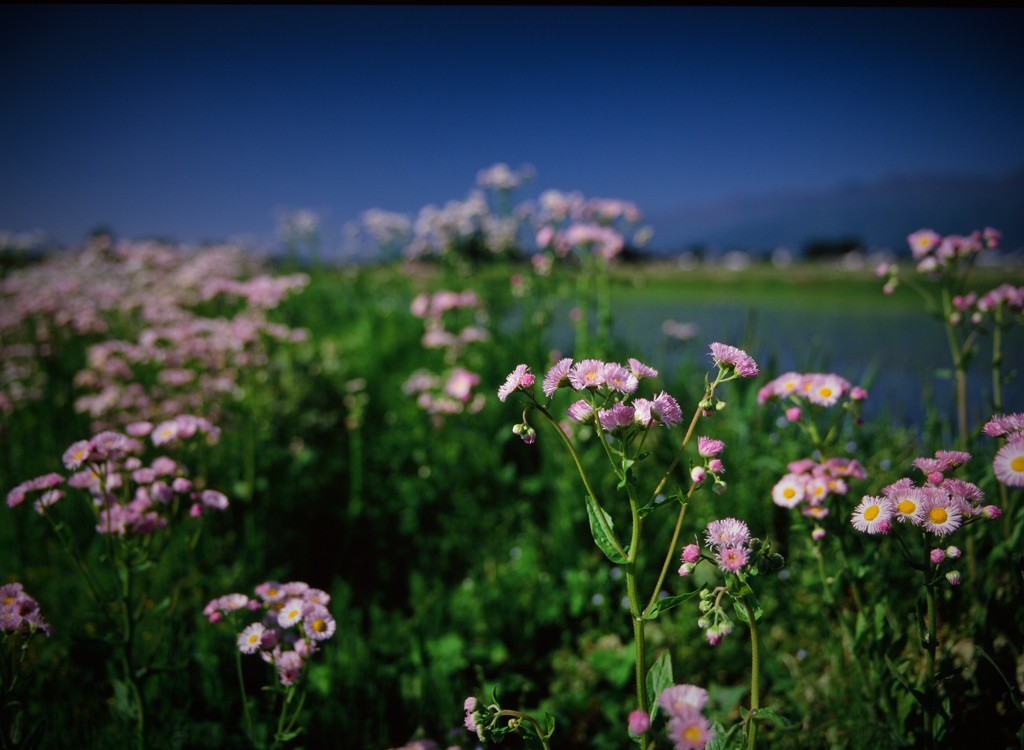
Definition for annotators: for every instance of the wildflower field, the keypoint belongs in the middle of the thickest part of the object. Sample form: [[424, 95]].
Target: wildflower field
[[485, 489]]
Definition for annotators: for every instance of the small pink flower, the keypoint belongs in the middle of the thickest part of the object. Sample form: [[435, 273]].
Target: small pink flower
[[519, 379], [793, 414], [709, 447], [639, 722], [729, 357], [691, 553]]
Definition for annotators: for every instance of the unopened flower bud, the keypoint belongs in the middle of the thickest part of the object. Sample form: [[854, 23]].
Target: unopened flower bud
[[719, 488], [937, 556], [991, 511], [793, 413], [639, 722], [953, 552], [953, 577], [715, 465], [719, 406], [691, 553], [529, 436], [697, 474], [685, 569], [818, 534]]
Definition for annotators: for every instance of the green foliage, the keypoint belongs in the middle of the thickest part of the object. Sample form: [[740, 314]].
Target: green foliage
[[459, 558]]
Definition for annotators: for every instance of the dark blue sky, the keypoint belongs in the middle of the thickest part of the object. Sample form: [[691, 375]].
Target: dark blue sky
[[199, 122]]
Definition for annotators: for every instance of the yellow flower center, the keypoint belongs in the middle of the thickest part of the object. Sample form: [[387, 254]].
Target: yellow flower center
[[254, 638], [938, 515], [789, 493], [825, 392], [9, 600], [1017, 464], [319, 625], [871, 513], [692, 734], [907, 507]]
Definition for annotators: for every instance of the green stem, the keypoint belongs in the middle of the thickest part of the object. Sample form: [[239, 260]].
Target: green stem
[[639, 636], [931, 644], [755, 676], [245, 699], [586, 482], [670, 554]]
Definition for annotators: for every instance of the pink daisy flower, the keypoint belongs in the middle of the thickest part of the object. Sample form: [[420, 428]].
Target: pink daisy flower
[[729, 357], [588, 373], [689, 731], [908, 505], [518, 379], [318, 624], [641, 370], [557, 376], [732, 558], [1004, 424], [680, 699], [826, 389], [872, 515], [580, 411], [789, 491], [250, 639], [666, 409], [727, 532], [77, 454], [709, 447], [617, 417], [1008, 464], [941, 517], [922, 242], [291, 613], [619, 379]]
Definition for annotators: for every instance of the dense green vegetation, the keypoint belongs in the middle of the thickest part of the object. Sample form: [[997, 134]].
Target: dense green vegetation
[[459, 559]]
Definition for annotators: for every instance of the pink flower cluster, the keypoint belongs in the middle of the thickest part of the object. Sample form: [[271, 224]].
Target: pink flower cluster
[[933, 252], [732, 359], [939, 505], [606, 387], [294, 620], [992, 305], [688, 728], [129, 497], [729, 538], [453, 320], [19, 612], [568, 222], [808, 483], [819, 388], [1008, 464], [181, 360]]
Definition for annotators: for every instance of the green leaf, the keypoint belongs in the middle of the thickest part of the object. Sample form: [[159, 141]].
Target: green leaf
[[659, 677], [605, 542], [768, 714], [663, 605], [741, 611]]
